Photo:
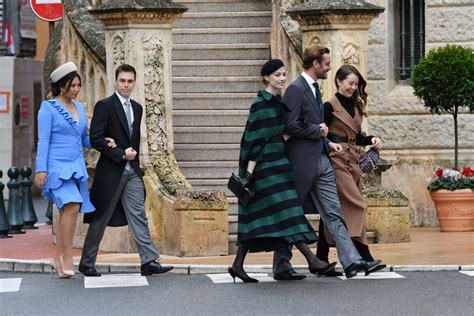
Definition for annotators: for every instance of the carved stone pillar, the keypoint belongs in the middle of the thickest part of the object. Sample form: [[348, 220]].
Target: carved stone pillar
[[341, 26], [138, 32]]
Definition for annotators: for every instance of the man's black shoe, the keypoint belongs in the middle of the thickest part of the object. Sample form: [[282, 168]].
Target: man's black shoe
[[351, 271], [153, 267], [372, 266], [331, 273], [89, 271], [288, 275], [361, 265]]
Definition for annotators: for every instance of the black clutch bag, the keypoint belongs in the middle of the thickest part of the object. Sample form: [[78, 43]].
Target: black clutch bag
[[243, 194], [368, 160]]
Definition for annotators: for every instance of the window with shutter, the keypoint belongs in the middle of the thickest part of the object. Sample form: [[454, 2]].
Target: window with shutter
[[411, 36]]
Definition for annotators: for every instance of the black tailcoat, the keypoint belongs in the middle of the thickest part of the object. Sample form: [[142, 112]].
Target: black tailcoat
[[303, 149], [109, 120]]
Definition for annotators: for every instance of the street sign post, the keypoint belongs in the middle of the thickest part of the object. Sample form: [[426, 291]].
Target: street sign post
[[47, 10]]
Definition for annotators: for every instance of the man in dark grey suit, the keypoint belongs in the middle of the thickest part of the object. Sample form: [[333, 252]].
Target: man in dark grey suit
[[307, 149], [118, 192]]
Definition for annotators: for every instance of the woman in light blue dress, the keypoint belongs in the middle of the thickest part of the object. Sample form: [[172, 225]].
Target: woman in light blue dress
[[60, 168]]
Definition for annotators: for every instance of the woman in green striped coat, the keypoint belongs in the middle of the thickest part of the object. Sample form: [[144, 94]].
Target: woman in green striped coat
[[273, 218]]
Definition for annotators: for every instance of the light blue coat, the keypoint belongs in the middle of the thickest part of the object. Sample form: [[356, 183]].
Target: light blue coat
[[60, 148]]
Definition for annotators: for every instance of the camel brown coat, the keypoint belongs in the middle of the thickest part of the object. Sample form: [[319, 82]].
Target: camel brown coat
[[347, 171]]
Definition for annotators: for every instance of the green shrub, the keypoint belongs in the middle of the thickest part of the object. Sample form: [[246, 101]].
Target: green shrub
[[444, 80]]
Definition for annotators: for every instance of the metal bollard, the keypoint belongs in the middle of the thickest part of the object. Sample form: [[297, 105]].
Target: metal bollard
[[4, 224], [49, 213], [14, 213], [27, 207]]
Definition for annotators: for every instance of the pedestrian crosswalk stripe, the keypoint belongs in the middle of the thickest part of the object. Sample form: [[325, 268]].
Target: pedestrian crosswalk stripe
[[469, 273], [265, 277], [115, 280], [226, 278], [10, 285], [375, 276]]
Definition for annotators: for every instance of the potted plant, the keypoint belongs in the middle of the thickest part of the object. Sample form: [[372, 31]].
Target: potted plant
[[452, 191], [444, 81]]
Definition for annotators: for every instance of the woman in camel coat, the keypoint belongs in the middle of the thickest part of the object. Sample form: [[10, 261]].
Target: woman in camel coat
[[343, 114]]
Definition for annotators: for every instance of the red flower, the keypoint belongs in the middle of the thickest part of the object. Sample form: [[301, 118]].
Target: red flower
[[467, 172], [439, 172]]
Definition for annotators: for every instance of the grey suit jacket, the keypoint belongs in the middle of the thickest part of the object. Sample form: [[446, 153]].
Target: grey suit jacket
[[303, 149]]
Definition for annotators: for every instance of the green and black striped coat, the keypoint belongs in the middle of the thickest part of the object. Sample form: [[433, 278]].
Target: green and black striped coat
[[274, 217]]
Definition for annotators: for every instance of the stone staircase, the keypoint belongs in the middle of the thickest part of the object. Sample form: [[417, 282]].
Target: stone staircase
[[218, 49]]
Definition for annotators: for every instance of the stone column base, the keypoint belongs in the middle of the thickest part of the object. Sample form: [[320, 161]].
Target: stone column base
[[389, 219], [200, 224]]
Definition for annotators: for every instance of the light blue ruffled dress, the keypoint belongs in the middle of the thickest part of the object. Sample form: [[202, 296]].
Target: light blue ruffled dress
[[60, 154]]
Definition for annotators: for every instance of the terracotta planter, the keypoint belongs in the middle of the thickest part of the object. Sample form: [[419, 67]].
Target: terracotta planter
[[455, 210]]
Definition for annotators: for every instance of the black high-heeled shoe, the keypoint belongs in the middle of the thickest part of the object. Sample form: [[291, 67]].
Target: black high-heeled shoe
[[245, 278], [319, 267]]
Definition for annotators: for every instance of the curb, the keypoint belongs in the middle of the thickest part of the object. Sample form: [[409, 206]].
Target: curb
[[43, 266]]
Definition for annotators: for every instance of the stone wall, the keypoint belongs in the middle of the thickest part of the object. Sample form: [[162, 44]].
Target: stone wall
[[415, 141]]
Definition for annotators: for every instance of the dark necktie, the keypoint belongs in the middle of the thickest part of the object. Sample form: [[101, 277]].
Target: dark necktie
[[319, 101]]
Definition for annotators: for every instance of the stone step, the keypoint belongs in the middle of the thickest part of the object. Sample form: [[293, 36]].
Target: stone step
[[217, 68], [225, 5], [216, 84], [186, 118], [208, 169], [213, 101], [212, 184], [207, 152], [247, 51], [221, 35], [213, 135], [224, 19]]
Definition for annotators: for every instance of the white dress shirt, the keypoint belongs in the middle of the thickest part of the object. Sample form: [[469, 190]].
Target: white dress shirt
[[310, 81], [122, 100]]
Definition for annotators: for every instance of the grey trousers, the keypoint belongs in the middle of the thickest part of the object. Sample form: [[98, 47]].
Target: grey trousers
[[131, 192], [324, 196]]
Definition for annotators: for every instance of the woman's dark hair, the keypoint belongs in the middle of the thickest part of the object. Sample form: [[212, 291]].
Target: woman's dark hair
[[64, 82], [313, 53], [359, 96]]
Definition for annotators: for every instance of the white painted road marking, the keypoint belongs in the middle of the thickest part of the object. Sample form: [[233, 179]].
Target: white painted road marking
[[115, 280], [10, 285], [469, 273], [226, 278], [375, 276]]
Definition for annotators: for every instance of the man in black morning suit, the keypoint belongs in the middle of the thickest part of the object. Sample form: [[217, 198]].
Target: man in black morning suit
[[307, 150], [118, 191]]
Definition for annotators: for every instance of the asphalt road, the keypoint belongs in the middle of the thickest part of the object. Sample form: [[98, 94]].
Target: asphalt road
[[418, 293]]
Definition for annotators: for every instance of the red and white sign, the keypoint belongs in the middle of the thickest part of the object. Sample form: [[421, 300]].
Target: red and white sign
[[25, 107], [48, 10]]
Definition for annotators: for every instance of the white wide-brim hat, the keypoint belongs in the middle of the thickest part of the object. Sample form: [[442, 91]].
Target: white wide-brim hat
[[63, 71]]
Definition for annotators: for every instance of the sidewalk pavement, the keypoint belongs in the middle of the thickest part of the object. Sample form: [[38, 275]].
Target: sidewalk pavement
[[429, 249]]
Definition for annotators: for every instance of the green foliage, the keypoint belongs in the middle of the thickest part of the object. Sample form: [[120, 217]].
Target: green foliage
[[451, 184], [444, 79]]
